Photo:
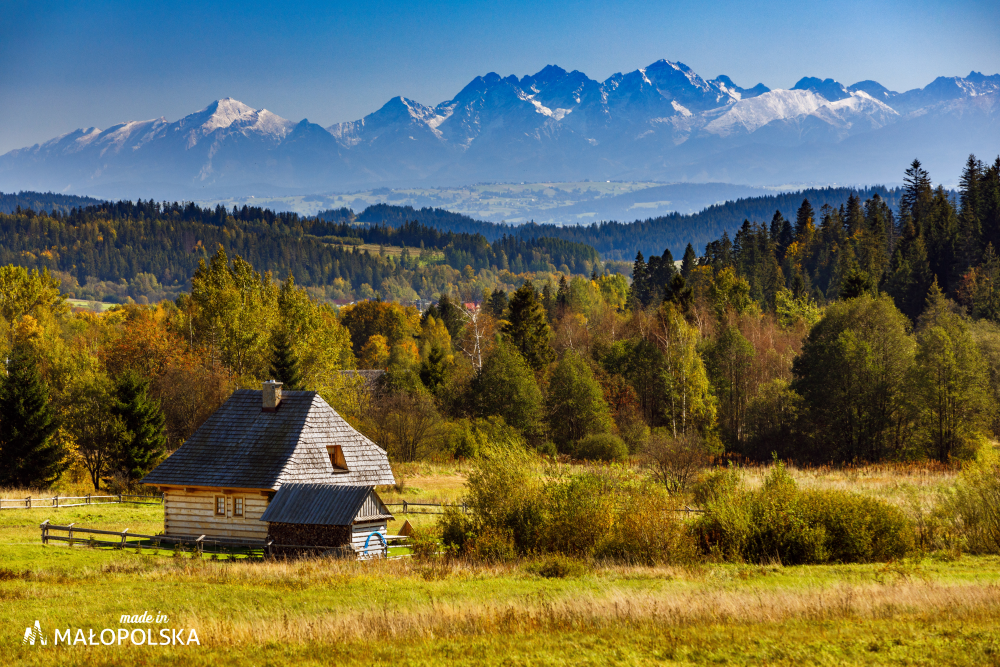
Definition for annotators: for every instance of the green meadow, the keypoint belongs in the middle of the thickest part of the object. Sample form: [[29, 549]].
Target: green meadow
[[548, 611]]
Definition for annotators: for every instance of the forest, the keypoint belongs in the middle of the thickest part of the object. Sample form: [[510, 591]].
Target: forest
[[851, 334], [145, 252], [617, 241]]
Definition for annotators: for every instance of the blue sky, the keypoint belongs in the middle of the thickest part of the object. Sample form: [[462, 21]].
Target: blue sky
[[65, 65]]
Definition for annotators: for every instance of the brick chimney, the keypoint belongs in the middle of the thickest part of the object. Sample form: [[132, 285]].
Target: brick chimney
[[272, 396]]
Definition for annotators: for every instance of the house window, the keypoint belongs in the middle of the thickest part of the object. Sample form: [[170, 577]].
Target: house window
[[220, 506], [337, 458], [237, 507]]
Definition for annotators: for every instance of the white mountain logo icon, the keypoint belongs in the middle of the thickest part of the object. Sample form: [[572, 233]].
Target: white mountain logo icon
[[32, 633]]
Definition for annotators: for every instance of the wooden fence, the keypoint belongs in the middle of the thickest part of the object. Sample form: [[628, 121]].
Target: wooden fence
[[465, 508], [66, 501], [408, 505], [201, 544]]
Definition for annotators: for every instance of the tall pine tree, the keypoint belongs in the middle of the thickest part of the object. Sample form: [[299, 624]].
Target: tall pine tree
[[528, 329], [28, 455], [284, 363], [144, 442]]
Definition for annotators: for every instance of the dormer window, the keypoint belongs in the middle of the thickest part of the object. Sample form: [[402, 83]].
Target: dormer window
[[337, 459]]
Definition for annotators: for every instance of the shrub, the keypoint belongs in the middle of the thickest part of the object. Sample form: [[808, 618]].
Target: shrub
[[602, 447], [493, 545], [456, 529], [423, 544], [557, 567], [780, 522], [648, 531], [973, 506]]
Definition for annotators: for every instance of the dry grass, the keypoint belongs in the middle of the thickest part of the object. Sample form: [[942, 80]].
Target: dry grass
[[893, 482], [695, 599]]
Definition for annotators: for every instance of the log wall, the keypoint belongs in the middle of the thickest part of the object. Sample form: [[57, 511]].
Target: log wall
[[192, 512], [309, 534]]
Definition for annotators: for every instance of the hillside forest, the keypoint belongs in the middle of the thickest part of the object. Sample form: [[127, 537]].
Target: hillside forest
[[857, 333]]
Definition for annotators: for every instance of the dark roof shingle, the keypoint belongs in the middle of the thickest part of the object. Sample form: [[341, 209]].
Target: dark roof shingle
[[241, 446], [325, 505]]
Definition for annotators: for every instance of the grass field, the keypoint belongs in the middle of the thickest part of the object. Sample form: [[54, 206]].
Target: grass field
[[913, 612]]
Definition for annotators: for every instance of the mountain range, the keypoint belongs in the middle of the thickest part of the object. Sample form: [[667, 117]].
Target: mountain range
[[663, 123]]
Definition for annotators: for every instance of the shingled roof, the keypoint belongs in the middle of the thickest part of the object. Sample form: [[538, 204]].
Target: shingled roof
[[241, 446], [325, 505]]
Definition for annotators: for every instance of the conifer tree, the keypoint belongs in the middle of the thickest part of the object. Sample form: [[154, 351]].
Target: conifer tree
[[781, 235], [432, 369], [28, 455], [496, 304], [549, 302], [910, 274], [916, 193], [689, 262], [562, 297], [640, 280], [805, 220], [284, 363], [528, 329], [853, 216], [144, 442]]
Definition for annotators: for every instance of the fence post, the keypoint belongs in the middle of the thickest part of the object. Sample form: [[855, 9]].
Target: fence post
[[119, 499], [123, 538], [201, 545], [405, 508], [88, 498], [45, 532], [55, 501], [71, 533], [28, 503]]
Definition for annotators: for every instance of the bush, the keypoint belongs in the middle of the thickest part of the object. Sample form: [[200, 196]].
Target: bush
[[973, 506], [602, 514], [557, 567], [423, 544], [457, 529], [602, 447], [648, 531], [778, 522]]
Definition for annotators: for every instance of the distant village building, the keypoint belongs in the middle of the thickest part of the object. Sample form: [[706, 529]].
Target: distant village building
[[220, 482]]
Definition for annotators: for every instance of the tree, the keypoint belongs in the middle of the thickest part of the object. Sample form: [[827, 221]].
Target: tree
[[24, 292], [97, 431], [506, 387], [731, 360], [284, 364], [689, 405], [910, 274], [675, 461], [916, 192], [852, 376], [144, 442], [432, 369], [496, 305], [236, 309], [805, 220], [950, 386], [527, 327], [29, 456], [575, 405], [689, 261]]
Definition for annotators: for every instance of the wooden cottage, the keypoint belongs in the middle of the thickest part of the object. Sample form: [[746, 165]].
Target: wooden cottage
[[219, 482], [348, 517]]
